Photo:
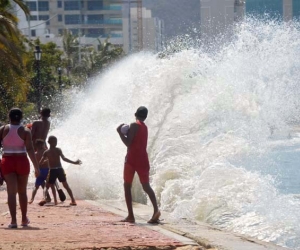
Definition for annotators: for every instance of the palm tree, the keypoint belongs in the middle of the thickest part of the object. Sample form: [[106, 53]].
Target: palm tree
[[70, 46], [13, 85]]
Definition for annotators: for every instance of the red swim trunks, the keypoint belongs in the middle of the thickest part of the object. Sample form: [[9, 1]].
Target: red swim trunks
[[15, 164], [129, 172]]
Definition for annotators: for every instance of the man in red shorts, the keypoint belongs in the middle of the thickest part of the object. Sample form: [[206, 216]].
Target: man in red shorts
[[137, 161]]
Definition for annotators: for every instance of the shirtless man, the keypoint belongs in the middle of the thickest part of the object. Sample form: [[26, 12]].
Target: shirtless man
[[39, 131], [40, 128]]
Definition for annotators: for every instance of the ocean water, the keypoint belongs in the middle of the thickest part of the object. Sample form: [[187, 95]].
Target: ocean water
[[223, 131]]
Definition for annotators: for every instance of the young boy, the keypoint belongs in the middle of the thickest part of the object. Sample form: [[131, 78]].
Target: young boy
[[44, 169], [53, 154]]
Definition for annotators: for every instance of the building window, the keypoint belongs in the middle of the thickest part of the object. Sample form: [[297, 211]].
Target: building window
[[59, 18], [72, 19], [31, 6], [74, 32], [72, 5], [95, 32], [33, 33], [32, 18], [95, 19], [95, 5], [45, 18], [59, 4], [61, 31], [43, 6]]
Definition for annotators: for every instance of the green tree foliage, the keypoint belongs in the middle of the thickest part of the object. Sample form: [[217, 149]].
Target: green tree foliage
[[13, 76], [70, 47], [93, 61], [18, 75], [51, 59]]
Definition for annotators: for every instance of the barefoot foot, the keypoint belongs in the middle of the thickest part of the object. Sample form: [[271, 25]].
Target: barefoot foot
[[128, 219], [155, 218]]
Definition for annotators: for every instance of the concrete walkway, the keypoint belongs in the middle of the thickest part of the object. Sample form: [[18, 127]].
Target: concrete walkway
[[203, 234], [85, 226], [96, 225]]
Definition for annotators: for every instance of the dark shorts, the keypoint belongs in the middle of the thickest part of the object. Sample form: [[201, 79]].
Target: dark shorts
[[42, 177], [129, 172], [56, 173], [18, 164]]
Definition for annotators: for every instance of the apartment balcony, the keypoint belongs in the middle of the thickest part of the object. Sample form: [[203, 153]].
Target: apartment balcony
[[102, 23], [92, 40], [117, 24], [119, 8], [105, 35], [107, 21]]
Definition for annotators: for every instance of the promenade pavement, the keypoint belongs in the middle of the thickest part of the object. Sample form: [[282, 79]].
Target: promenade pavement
[[85, 226], [96, 225]]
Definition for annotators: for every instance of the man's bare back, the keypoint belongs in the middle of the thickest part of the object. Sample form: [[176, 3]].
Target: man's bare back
[[40, 129]]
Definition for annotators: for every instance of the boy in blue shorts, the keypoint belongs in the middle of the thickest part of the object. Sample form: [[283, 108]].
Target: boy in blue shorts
[[44, 170]]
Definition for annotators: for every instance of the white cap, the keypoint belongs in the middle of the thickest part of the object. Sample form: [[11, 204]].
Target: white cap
[[124, 129]]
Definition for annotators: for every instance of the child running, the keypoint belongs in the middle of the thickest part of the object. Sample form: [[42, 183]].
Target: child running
[[44, 169], [53, 154]]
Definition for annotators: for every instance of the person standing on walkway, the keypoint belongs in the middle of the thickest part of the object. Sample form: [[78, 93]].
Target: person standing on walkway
[[137, 160], [40, 128], [17, 143]]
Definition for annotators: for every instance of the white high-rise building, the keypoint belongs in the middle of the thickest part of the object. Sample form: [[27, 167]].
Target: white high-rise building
[[218, 16], [90, 20], [152, 33]]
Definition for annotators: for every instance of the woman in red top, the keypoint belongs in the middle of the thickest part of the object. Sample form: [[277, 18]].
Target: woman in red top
[[17, 143], [137, 161]]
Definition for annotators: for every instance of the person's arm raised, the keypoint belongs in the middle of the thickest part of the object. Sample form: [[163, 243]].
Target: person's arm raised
[[30, 151], [77, 162], [131, 133]]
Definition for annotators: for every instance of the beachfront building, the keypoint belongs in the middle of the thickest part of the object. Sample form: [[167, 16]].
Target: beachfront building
[[90, 20], [217, 17], [152, 31]]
